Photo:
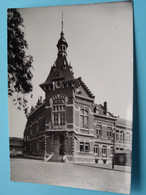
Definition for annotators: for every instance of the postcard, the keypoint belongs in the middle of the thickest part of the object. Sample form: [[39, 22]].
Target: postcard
[[70, 88]]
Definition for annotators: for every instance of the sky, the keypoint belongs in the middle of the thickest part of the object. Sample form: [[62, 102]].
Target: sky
[[100, 49]]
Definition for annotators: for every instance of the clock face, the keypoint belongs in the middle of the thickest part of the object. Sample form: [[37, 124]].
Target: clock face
[[58, 84]]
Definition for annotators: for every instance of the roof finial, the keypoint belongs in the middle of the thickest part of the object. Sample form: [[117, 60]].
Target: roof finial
[[62, 24]]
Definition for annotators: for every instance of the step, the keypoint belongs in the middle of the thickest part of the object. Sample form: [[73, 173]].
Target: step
[[56, 158]]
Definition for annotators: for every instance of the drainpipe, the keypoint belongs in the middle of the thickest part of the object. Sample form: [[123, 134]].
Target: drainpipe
[[114, 130]]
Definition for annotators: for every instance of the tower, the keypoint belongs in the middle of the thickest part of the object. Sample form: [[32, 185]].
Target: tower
[[61, 71]]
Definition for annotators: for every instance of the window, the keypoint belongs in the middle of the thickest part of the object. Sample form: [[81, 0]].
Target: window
[[84, 119], [84, 146], [62, 48], [127, 137], [81, 146], [104, 150], [117, 136], [121, 136], [98, 131], [96, 149], [56, 118], [27, 137], [37, 125], [37, 128], [30, 131], [59, 112], [109, 132], [62, 118], [37, 145]]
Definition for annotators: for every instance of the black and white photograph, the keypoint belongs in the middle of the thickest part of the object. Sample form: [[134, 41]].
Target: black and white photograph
[[70, 89]]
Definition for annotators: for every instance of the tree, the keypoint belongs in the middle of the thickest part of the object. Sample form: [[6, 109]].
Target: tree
[[19, 64]]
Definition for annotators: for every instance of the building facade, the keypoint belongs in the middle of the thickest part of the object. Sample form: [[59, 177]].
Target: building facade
[[16, 146], [68, 126]]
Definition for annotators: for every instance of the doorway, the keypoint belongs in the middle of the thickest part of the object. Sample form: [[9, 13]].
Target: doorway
[[61, 152], [59, 144]]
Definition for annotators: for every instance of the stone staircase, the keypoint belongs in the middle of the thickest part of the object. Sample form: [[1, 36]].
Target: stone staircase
[[56, 158]]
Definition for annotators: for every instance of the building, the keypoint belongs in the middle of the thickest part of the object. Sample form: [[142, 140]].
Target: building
[[68, 126], [16, 146]]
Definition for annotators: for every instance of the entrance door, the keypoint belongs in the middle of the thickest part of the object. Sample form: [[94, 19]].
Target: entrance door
[[59, 144], [61, 152], [56, 145]]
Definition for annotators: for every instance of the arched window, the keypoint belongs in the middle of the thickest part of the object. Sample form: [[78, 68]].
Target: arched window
[[59, 112], [84, 119], [117, 135], [121, 136], [127, 137]]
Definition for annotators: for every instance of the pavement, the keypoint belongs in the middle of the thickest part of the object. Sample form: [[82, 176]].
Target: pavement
[[108, 166], [70, 175]]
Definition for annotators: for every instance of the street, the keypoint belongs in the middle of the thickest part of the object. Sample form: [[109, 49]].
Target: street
[[69, 175]]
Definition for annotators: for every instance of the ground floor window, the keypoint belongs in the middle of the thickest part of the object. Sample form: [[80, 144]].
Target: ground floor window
[[84, 146], [37, 146], [96, 149], [104, 150]]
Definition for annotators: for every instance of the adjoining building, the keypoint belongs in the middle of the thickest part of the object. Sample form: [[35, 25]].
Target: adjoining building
[[16, 146], [68, 126]]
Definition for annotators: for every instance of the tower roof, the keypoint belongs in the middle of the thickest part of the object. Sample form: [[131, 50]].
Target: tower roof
[[61, 70], [62, 40]]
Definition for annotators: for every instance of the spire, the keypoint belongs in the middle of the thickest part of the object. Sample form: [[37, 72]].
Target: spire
[[62, 23], [62, 44]]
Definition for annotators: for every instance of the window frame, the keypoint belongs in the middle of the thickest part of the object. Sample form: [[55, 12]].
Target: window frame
[[127, 140], [98, 130], [104, 151], [58, 111], [84, 145], [84, 118], [96, 149]]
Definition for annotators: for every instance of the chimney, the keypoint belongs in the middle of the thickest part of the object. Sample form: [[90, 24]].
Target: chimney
[[105, 107]]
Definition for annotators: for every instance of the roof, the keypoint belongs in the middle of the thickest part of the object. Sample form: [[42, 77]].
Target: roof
[[87, 90], [62, 40], [100, 109], [60, 70], [16, 141], [123, 122]]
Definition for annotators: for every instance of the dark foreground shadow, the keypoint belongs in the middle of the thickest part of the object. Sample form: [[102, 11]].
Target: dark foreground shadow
[[135, 182]]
